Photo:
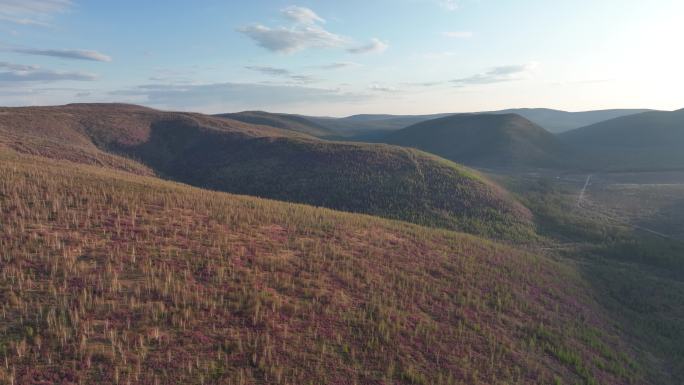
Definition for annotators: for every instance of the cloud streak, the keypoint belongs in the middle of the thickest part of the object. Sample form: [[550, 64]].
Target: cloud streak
[[283, 73], [74, 54], [234, 95], [375, 46], [17, 67], [31, 12], [302, 15], [38, 75], [498, 74], [336, 66]]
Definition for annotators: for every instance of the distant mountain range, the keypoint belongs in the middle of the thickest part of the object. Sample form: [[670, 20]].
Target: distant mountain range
[[609, 140], [555, 121], [646, 141]]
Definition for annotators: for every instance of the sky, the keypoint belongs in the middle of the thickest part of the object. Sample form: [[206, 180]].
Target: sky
[[340, 58]]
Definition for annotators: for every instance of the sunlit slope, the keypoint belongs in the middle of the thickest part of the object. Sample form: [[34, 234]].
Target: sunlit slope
[[107, 277]]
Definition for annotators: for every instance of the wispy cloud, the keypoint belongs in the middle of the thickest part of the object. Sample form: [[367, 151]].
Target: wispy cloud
[[76, 54], [337, 66], [375, 46], [17, 67], [31, 12], [458, 34], [34, 74], [380, 88], [302, 15], [270, 70], [498, 75], [283, 73], [225, 96]]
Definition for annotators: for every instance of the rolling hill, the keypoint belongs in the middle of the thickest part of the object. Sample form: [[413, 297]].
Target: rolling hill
[[484, 140], [290, 122], [646, 141], [360, 127], [365, 124], [110, 277], [232, 156], [557, 121]]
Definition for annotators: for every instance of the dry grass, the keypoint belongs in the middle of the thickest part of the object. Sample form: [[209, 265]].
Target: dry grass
[[108, 277]]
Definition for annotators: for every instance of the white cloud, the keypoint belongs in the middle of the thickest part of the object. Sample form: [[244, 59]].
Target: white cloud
[[458, 34], [305, 32], [302, 15], [291, 40], [499, 74], [77, 54], [375, 46]]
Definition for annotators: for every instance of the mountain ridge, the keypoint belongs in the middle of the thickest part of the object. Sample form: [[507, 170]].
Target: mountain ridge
[[233, 156], [484, 140]]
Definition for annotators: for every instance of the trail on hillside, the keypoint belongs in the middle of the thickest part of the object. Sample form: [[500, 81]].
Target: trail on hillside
[[581, 197]]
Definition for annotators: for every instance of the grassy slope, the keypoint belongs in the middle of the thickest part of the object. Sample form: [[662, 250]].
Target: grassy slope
[[506, 140], [107, 277], [646, 141], [269, 162], [294, 123]]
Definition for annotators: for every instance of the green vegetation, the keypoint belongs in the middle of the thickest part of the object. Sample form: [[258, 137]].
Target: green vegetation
[[236, 157], [646, 141], [486, 140], [112, 278], [635, 275], [285, 121]]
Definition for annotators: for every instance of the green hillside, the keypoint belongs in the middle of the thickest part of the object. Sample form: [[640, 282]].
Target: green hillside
[[557, 121], [646, 141], [290, 122], [258, 160], [485, 140]]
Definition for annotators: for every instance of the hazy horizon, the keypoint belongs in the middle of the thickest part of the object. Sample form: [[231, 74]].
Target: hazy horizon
[[330, 59]]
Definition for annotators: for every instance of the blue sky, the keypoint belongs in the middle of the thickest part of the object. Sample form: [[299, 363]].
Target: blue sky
[[344, 57]]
